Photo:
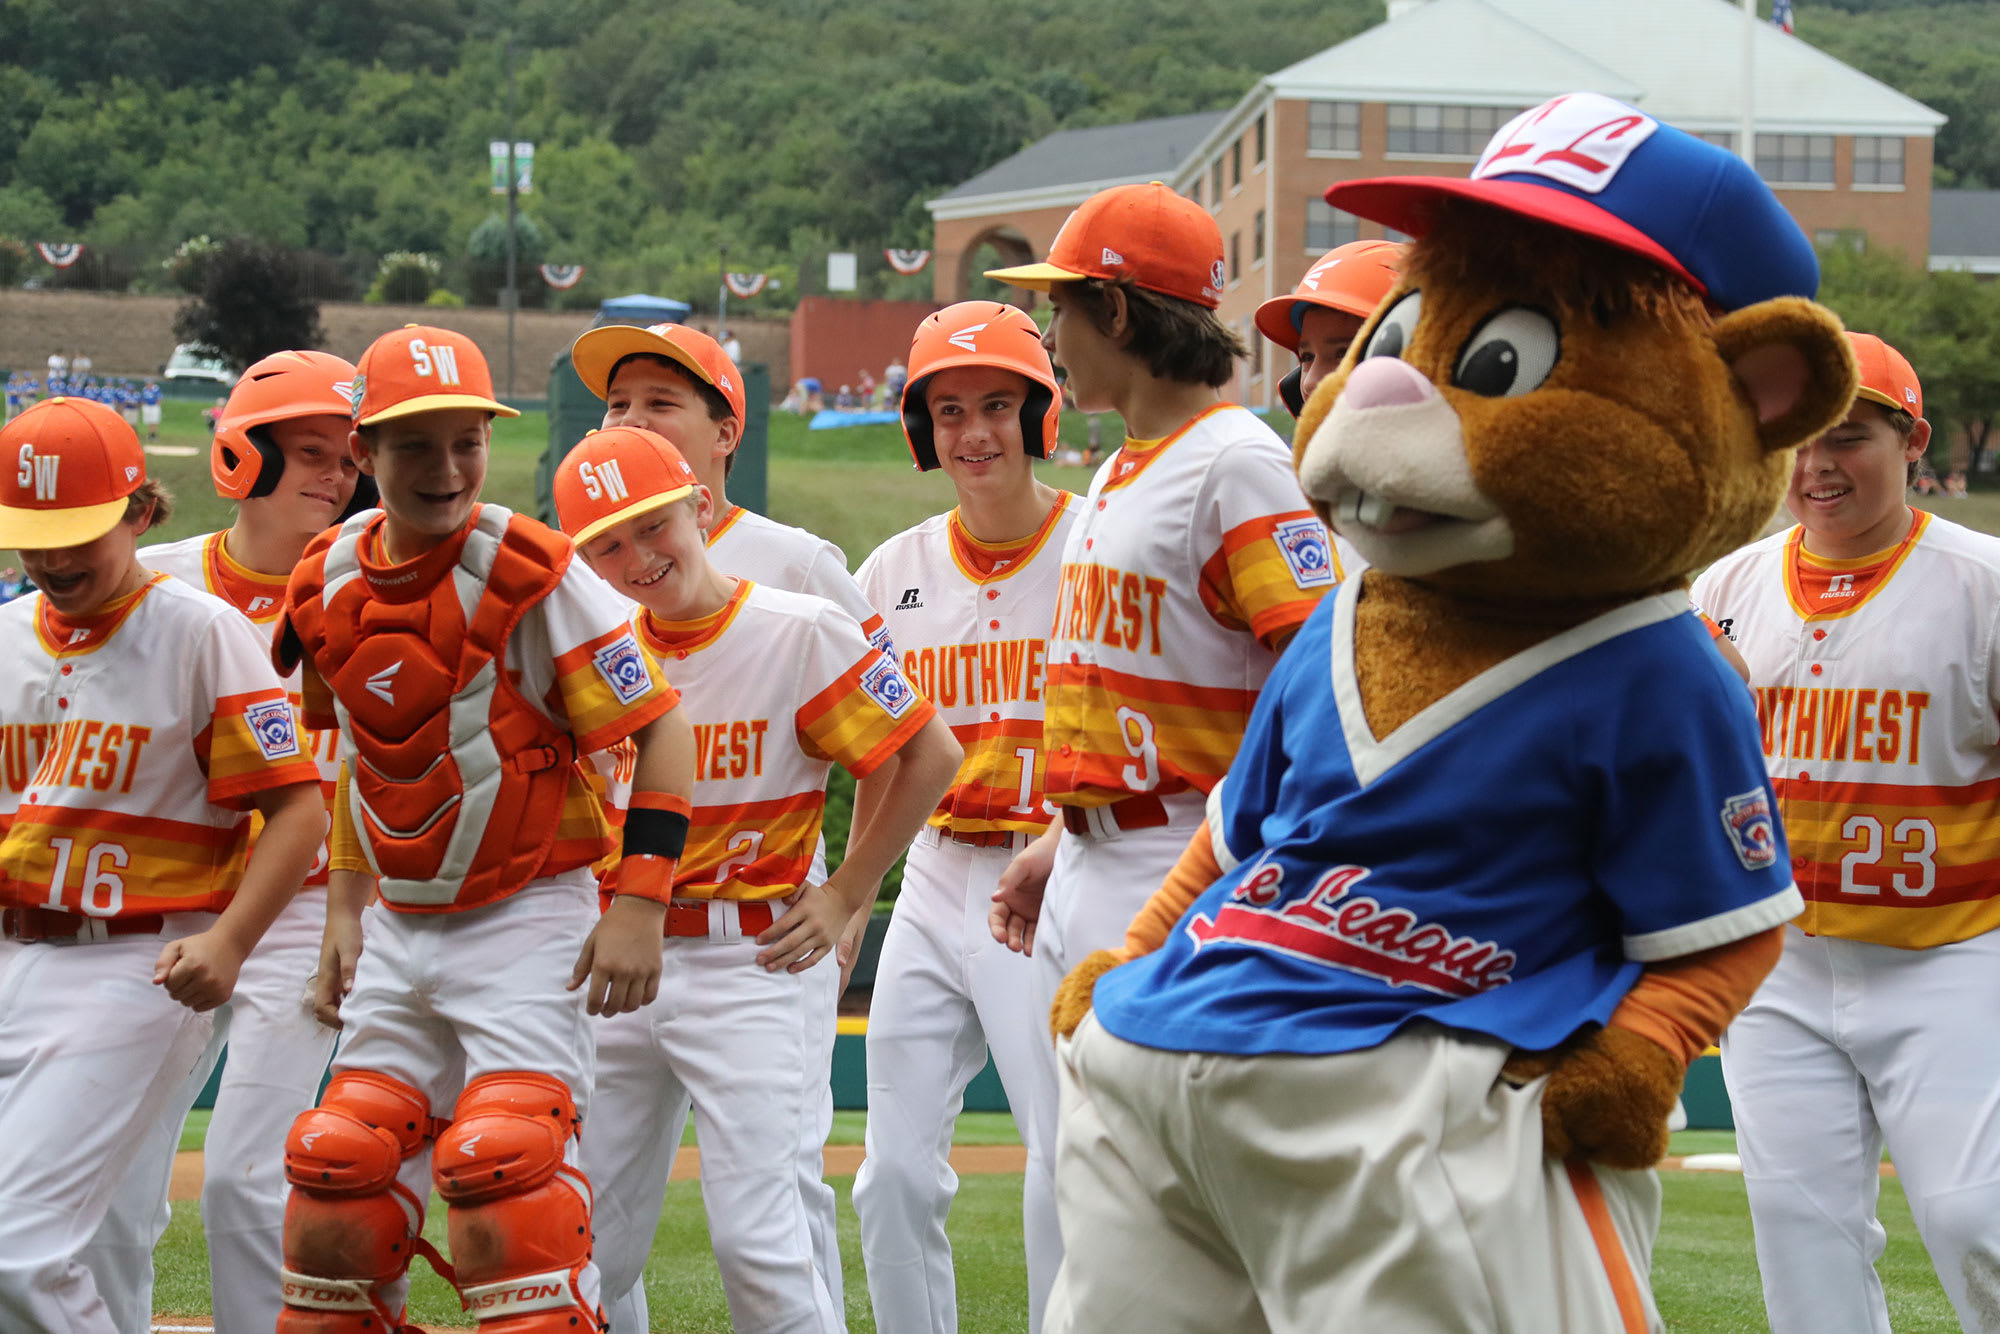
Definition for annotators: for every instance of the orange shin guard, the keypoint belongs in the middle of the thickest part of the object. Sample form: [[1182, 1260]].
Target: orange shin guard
[[350, 1227], [520, 1216]]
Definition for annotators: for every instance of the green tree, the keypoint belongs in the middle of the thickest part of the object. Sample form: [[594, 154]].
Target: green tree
[[253, 302]]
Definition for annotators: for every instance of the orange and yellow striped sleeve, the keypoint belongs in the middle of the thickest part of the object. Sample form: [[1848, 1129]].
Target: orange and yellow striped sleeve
[[868, 710]]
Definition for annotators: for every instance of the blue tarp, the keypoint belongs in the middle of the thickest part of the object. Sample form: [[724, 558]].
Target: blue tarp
[[833, 419], [642, 309]]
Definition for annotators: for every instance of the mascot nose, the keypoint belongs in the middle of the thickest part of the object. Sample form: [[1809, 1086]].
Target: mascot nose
[[1386, 382]]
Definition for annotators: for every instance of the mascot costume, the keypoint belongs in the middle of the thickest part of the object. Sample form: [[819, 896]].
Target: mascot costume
[[1395, 1046]]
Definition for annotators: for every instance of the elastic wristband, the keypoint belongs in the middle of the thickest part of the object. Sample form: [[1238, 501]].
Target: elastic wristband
[[646, 877], [656, 825]]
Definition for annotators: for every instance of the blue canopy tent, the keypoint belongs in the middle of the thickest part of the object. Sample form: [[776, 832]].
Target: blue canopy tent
[[642, 310]]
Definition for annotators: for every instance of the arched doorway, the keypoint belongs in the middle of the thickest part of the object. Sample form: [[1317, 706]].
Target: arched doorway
[[995, 248]]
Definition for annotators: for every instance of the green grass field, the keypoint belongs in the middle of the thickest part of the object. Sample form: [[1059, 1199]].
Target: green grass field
[[1704, 1271], [856, 487]]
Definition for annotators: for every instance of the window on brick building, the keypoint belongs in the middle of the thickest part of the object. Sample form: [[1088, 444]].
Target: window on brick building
[[1327, 227], [1441, 131], [1236, 164], [1333, 127], [1795, 159], [1215, 183], [1260, 140], [1235, 256], [1257, 239], [1878, 160]]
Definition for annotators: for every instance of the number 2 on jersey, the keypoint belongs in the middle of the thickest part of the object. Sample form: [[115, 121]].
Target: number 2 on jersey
[[103, 891]]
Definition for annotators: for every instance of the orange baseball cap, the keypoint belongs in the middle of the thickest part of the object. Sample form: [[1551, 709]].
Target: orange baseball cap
[[614, 474], [419, 368], [1352, 278], [77, 462], [1886, 376], [1162, 241], [597, 352]]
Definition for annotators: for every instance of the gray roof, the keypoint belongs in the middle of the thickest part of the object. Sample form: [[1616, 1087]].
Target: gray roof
[[1965, 224], [1138, 151]]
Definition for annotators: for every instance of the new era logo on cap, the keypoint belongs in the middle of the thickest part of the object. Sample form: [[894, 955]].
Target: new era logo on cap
[[1112, 256]]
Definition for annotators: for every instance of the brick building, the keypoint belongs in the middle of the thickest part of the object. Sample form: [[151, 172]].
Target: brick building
[[1420, 94]]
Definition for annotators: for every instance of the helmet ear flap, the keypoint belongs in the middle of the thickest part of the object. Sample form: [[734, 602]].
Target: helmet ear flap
[[917, 428], [367, 496], [1036, 427], [271, 462], [1291, 390]]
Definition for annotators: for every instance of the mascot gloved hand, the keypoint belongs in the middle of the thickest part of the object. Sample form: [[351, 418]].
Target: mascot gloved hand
[[1395, 1045]]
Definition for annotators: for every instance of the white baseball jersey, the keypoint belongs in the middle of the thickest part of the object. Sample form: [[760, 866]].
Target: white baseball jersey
[[779, 688], [1877, 685], [777, 555], [969, 621], [205, 563], [134, 744], [1194, 558]]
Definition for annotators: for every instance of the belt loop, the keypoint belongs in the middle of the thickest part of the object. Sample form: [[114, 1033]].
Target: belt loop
[[724, 919], [94, 930]]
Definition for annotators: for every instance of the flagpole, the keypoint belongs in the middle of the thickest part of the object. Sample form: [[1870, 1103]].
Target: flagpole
[[1747, 135]]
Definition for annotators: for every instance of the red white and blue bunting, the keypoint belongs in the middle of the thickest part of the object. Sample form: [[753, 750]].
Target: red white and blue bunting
[[745, 285], [907, 262], [62, 254], [562, 277]]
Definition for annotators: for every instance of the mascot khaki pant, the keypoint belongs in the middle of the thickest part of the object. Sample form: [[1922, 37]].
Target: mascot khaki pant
[[1402, 1188]]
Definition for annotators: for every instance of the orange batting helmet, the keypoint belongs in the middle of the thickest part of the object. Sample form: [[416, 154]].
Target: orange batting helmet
[[244, 461], [981, 333], [1351, 278]]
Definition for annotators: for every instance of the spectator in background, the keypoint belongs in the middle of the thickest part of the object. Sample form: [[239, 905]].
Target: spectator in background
[[731, 348], [81, 365], [149, 408], [13, 584], [58, 366], [845, 399], [209, 415], [1955, 484], [893, 377], [868, 389]]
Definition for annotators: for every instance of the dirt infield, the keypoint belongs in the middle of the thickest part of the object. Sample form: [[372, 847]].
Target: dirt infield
[[842, 1160]]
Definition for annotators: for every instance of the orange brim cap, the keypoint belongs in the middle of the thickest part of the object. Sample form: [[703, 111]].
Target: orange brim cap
[[616, 474], [45, 530], [410, 407], [597, 352]]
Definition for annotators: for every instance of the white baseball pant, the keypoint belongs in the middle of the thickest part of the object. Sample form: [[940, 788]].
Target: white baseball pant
[[278, 1054], [440, 999], [1846, 1045], [1402, 1188], [946, 992], [752, 1053], [1100, 881], [91, 1052]]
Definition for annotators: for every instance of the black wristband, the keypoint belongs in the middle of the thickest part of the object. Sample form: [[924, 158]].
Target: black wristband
[[655, 833]]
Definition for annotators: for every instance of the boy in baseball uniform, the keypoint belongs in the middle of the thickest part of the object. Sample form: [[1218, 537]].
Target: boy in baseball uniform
[[1872, 632], [142, 727], [780, 686], [685, 386], [1320, 318], [968, 597], [1194, 561], [281, 454], [468, 661]]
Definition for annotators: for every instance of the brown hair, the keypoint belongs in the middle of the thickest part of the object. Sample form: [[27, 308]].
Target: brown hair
[[1178, 340], [150, 492], [711, 397]]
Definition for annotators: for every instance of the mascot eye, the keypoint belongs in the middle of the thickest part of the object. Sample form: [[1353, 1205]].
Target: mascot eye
[[1510, 354], [1396, 329]]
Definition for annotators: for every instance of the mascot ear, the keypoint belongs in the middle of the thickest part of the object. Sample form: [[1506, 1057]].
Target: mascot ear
[[1791, 359]]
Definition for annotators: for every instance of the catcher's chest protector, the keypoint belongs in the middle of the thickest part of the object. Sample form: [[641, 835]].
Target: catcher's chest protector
[[458, 781]]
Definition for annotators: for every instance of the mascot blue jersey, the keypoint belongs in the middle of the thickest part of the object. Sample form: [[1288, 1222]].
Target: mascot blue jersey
[[1502, 863]]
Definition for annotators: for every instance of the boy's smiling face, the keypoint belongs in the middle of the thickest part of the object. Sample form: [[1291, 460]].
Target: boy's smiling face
[[429, 467]]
